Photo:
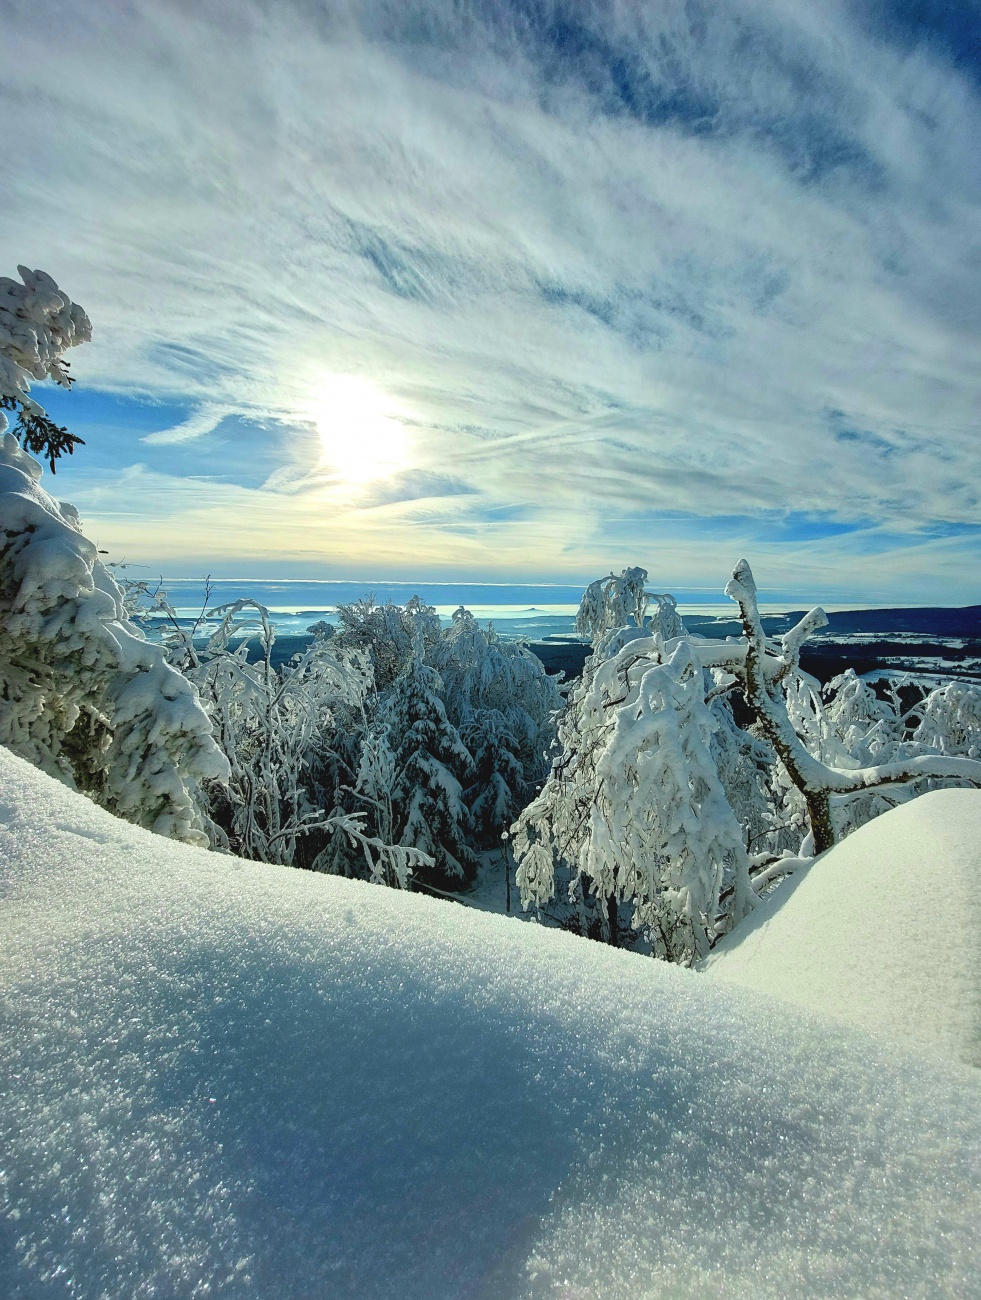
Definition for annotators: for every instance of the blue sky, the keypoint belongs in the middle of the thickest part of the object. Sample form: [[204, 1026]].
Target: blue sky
[[514, 290]]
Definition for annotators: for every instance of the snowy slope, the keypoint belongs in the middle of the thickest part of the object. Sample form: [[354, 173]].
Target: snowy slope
[[884, 930], [228, 1079]]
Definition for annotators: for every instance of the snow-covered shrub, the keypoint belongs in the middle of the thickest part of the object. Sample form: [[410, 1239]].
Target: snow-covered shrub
[[38, 324], [83, 694]]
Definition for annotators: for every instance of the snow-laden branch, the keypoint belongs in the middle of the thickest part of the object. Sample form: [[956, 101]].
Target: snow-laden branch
[[85, 696], [816, 781], [388, 864], [38, 324]]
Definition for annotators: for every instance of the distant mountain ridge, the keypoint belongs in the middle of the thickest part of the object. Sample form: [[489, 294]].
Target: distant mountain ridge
[[835, 647], [935, 621]]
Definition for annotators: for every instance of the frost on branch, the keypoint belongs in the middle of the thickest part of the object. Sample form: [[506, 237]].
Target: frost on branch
[[82, 694], [387, 864], [38, 324]]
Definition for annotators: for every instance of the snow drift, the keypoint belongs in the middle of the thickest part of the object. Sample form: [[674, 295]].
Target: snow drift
[[884, 930], [243, 1080]]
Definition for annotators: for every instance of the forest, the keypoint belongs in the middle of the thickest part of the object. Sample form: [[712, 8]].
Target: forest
[[649, 804]]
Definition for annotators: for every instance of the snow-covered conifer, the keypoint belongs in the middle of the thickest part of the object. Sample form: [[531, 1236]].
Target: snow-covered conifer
[[84, 695], [504, 704], [38, 324], [635, 807], [494, 795], [431, 765]]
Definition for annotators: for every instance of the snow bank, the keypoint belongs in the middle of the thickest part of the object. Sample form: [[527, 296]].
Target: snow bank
[[883, 931], [241, 1080]]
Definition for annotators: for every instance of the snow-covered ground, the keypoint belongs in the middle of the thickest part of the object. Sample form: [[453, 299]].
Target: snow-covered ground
[[222, 1078], [883, 931]]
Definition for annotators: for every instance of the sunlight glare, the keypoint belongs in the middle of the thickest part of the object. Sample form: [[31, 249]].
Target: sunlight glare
[[361, 440]]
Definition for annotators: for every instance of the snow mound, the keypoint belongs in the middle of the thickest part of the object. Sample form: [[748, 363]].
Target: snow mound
[[222, 1078], [883, 931]]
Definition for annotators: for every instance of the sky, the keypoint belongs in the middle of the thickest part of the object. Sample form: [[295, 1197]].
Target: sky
[[513, 290]]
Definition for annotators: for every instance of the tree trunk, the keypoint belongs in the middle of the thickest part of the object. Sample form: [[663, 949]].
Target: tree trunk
[[613, 920], [819, 815]]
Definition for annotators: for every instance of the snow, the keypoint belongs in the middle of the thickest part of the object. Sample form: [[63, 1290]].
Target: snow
[[84, 695], [38, 324], [243, 1080], [883, 931]]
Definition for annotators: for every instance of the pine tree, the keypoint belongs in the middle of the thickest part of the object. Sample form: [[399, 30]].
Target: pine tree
[[83, 695], [38, 324], [494, 794], [504, 704], [431, 764]]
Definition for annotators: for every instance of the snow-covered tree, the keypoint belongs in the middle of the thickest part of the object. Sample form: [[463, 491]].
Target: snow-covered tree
[[636, 809], [620, 603], [642, 806], [83, 694], [763, 672], [431, 765], [504, 704], [949, 720], [865, 727], [495, 696], [279, 728], [389, 635], [276, 726], [612, 602], [38, 324]]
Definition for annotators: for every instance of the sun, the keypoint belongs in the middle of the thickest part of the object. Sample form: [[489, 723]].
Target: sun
[[361, 439]]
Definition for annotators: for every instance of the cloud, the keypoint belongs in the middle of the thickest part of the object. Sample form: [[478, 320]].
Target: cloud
[[611, 260], [205, 420]]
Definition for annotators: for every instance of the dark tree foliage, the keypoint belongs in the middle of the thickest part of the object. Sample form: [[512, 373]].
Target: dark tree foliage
[[38, 434]]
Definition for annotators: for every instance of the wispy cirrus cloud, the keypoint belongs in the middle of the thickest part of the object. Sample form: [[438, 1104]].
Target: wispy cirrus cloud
[[612, 262]]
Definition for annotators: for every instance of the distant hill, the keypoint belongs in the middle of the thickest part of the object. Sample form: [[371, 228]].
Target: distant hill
[[937, 621], [843, 643]]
